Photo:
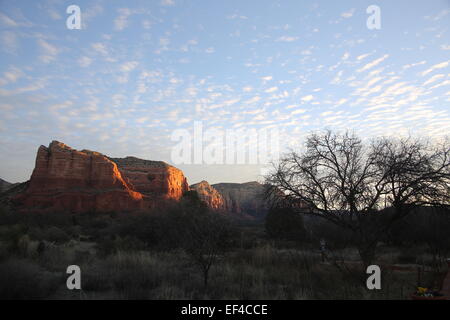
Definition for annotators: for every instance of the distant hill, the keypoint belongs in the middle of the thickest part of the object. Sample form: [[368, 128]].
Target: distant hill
[[238, 199], [5, 185]]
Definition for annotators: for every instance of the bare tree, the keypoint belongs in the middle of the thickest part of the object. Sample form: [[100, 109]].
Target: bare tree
[[204, 235], [349, 183]]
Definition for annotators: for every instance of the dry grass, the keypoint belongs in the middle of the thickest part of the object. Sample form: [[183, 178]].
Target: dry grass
[[264, 272]]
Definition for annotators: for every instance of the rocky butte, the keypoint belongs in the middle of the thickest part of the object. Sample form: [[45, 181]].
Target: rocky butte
[[245, 200], [210, 195], [68, 180], [65, 179]]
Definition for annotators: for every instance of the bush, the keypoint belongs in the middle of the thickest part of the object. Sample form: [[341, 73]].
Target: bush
[[22, 279], [285, 224], [55, 234]]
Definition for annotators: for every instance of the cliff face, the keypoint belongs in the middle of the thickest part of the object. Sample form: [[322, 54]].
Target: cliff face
[[210, 195], [155, 179], [65, 179], [243, 198]]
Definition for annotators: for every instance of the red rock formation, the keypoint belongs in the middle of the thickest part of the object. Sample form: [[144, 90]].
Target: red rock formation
[[245, 199], [155, 179], [208, 194], [65, 179]]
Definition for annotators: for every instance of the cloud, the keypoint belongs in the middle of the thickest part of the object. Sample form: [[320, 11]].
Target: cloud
[[298, 111], [90, 13], [54, 14], [236, 16], [373, 63], [7, 21], [167, 3], [287, 39], [363, 56], [434, 78], [121, 21], [8, 40], [270, 90], [436, 67], [49, 51], [253, 100], [307, 98], [100, 48], [11, 76], [84, 62], [32, 87], [348, 14], [128, 66]]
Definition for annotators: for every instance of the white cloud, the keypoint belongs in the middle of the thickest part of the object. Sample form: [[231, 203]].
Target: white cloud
[[167, 3], [434, 78], [49, 51], [7, 21], [253, 100], [363, 56], [9, 42], [121, 21], [84, 61], [348, 14], [272, 89], [11, 76], [436, 67], [373, 63], [100, 48], [307, 98], [287, 39], [298, 111]]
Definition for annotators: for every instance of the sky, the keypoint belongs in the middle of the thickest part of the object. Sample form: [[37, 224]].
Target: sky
[[138, 71]]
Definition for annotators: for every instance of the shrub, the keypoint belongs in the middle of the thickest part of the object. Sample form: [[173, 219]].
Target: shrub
[[285, 223], [22, 279]]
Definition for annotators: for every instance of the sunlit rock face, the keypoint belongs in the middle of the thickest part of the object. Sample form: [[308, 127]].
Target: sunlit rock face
[[243, 198], [65, 179], [155, 179], [209, 195]]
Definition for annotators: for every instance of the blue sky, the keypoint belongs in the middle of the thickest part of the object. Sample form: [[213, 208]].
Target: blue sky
[[138, 70]]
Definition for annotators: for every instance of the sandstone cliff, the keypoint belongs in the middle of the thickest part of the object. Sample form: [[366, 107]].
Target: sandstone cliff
[[244, 198], [210, 195], [65, 179], [155, 179]]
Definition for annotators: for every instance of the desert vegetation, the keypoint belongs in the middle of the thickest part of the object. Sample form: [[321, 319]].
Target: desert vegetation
[[334, 209], [148, 256]]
